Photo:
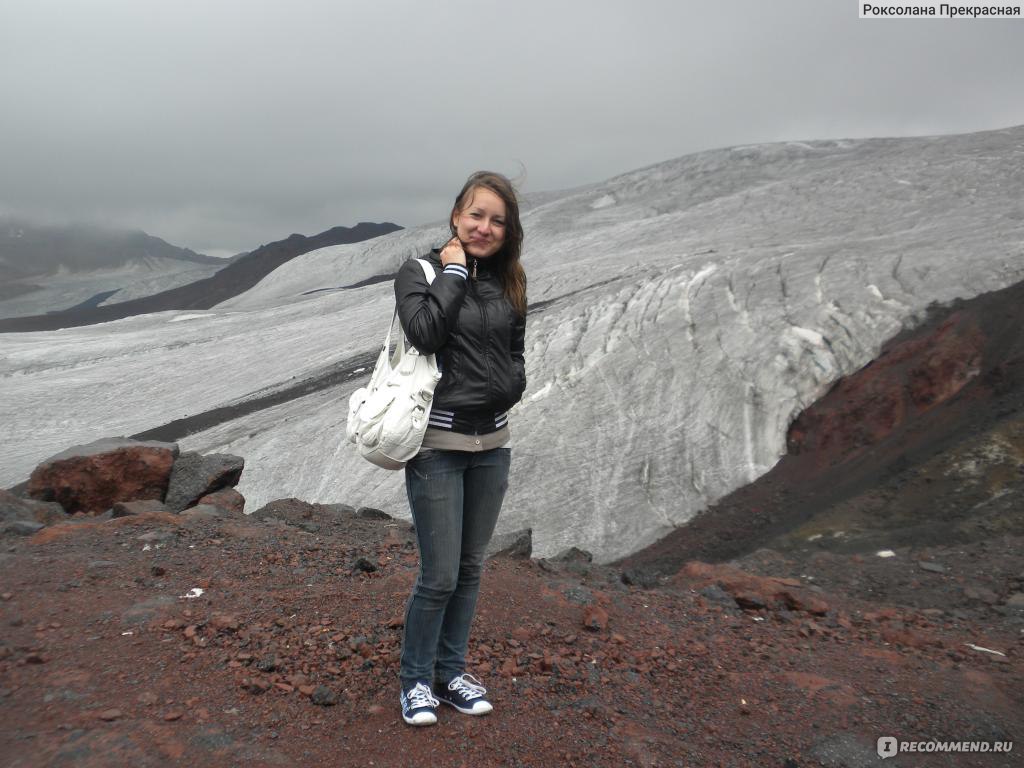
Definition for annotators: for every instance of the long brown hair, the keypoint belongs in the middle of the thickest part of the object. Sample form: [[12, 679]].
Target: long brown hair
[[506, 260]]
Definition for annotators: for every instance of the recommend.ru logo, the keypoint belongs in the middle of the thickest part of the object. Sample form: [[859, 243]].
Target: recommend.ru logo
[[887, 746]]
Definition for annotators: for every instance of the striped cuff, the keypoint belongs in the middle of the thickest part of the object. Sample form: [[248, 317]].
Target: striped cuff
[[443, 419], [457, 269]]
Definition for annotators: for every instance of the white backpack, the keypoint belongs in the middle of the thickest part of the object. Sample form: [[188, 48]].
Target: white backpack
[[387, 418]]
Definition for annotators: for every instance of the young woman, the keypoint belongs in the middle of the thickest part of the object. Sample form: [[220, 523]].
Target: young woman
[[473, 317]]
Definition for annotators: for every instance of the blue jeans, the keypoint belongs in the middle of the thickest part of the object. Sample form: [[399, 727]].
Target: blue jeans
[[455, 497]]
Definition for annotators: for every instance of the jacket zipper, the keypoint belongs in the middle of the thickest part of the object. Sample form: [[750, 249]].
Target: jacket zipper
[[486, 339]]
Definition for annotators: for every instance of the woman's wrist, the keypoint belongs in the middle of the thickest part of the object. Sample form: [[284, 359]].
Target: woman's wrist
[[452, 253]]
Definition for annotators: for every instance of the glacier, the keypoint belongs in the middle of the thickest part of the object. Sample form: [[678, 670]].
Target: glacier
[[141, 277], [681, 316]]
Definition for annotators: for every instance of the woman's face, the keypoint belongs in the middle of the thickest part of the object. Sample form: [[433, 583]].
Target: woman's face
[[480, 225]]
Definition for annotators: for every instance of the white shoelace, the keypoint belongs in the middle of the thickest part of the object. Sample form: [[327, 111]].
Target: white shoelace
[[468, 686], [421, 696]]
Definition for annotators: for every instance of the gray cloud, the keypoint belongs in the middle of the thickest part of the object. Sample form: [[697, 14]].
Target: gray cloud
[[223, 125]]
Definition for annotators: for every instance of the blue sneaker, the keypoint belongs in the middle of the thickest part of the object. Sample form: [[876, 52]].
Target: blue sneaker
[[465, 693], [419, 705]]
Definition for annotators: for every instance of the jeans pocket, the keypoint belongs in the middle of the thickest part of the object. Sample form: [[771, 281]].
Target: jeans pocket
[[419, 465]]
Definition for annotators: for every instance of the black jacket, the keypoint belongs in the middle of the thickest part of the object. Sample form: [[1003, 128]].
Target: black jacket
[[476, 334]]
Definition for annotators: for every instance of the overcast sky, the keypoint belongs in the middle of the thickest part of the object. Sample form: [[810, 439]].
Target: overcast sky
[[223, 124]]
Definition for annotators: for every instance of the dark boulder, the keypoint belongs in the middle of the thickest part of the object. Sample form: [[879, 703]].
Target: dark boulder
[[195, 476], [293, 511], [14, 507], [640, 577], [20, 527], [518, 544], [369, 513], [573, 555]]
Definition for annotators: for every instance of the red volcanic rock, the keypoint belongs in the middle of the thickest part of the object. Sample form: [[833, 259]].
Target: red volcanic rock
[[92, 478], [595, 617], [908, 379], [899, 634], [226, 498], [884, 614], [750, 591], [224, 622], [799, 600]]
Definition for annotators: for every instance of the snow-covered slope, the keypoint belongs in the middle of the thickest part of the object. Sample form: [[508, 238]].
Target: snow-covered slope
[[140, 277], [332, 268], [51, 267], [681, 316]]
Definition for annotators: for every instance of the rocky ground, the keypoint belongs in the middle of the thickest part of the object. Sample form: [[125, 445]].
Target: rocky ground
[[215, 639], [871, 585]]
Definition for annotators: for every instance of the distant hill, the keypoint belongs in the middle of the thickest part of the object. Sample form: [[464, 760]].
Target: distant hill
[[240, 274], [50, 268], [30, 250]]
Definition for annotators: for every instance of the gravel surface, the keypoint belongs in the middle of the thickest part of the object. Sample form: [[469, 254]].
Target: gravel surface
[[162, 640]]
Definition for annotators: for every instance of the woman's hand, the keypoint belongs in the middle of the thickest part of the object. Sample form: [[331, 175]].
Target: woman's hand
[[452, 253]]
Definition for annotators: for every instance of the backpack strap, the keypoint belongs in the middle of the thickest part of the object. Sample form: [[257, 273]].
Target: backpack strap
[[428, 270]]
